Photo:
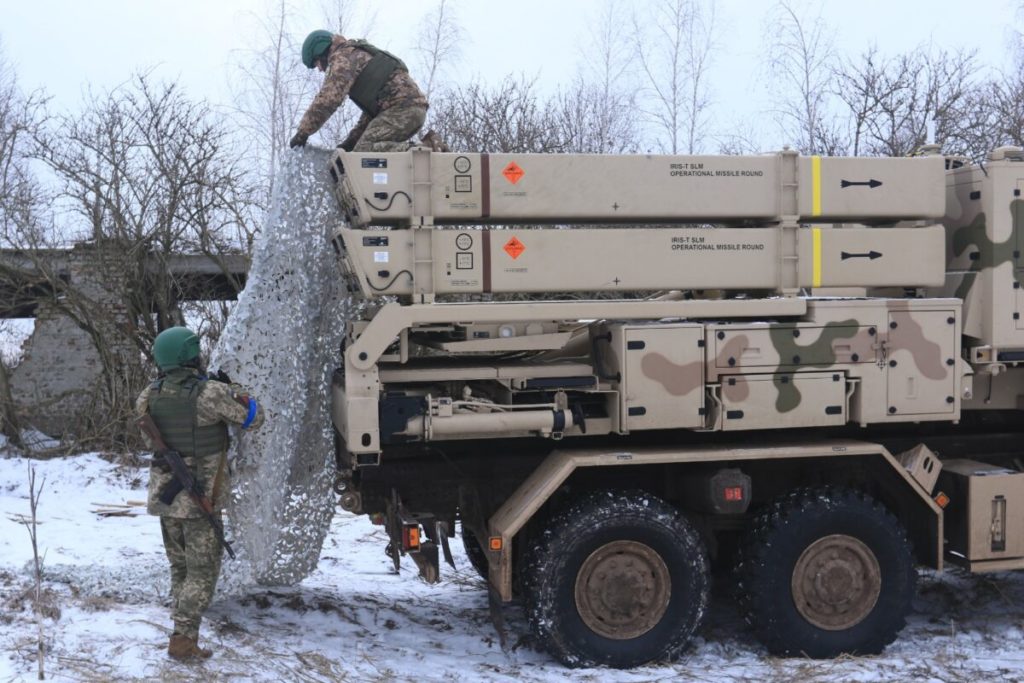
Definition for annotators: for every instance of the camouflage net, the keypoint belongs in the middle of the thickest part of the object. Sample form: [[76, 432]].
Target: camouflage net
[[282, 342]]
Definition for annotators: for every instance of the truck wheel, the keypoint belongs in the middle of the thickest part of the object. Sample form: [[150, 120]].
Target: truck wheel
[[475, 552], [616, 579], [826, 572]]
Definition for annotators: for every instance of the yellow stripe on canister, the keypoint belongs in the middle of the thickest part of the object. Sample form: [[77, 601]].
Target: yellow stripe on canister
[[816, 257], [815, 186]]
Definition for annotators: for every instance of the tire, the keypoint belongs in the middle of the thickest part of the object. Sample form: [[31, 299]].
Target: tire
[[649, 606], [826, 572], [475, 553]]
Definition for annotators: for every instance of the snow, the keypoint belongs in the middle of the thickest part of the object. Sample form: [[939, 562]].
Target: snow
[[353, 619]]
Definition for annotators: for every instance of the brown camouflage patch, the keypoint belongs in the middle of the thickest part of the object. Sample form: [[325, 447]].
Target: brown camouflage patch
[[678, 380]]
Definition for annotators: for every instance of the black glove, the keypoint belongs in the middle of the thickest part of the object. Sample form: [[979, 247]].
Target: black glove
[[348, 145], [298, 140], [222, 376]]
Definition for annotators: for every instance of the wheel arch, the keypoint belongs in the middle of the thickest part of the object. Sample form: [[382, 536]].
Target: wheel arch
[[893, 485]]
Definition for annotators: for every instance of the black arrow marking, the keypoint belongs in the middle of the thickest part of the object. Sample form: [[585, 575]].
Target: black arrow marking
[[871, 255], [870, 183]]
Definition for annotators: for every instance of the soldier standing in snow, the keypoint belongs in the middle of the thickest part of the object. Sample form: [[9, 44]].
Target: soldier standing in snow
[[393, 106], [192, 413]]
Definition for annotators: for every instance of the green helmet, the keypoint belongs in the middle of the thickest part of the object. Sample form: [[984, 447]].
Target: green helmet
[[315, 46], [175, 347]]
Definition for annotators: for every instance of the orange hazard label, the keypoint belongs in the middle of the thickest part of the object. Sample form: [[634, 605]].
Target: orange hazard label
[[514, 248], [512, 172]]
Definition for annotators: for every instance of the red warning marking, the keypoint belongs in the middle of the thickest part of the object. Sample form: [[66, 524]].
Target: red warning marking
[[512, 172], [514, 248]]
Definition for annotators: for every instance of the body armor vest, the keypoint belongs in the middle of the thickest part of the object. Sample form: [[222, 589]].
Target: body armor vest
[[172, 404], [371, 80]]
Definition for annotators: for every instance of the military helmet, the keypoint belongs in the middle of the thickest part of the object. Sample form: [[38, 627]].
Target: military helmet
[[175, 347], [315, 46]]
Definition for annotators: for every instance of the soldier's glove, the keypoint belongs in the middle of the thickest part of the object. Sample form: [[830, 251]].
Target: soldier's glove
[[348, 145], [298, 140], [222, 376]]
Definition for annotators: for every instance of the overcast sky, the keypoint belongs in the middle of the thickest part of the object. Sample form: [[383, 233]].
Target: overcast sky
[[66, 46]]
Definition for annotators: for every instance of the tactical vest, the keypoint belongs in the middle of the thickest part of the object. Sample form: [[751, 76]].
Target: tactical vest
[[368, 85], [172, 404]]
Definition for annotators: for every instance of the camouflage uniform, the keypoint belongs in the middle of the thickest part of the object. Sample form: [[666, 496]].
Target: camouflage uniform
[[191, 544], [402, 106]]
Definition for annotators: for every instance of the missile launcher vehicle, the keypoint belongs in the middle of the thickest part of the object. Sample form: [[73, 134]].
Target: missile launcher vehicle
[[616, 375]]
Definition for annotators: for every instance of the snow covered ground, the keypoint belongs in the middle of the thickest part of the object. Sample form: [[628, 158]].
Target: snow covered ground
[[354, 620]]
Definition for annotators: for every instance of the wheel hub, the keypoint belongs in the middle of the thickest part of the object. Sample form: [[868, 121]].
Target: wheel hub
[[836, 582], [622, 590]]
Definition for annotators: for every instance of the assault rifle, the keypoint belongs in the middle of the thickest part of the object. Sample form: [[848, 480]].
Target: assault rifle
[[183, 479]]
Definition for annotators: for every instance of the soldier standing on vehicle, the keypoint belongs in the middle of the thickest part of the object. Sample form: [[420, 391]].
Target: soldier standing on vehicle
[[192, 413], [393, 106]]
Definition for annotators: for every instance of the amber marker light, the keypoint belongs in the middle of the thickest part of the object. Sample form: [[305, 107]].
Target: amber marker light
[[411, 537], [496, 543], [942, 500]]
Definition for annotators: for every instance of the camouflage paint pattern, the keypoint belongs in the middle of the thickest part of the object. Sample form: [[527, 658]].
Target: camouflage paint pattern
[[344, 65], [927, 354], [788, 354], [990, 253], [862, 346], [818, 354], [900, 352], [217, 402], [678, 380], [195, 557]]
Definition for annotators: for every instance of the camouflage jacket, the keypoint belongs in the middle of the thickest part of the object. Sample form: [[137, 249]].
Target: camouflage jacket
[[344, 65], [216, 402]]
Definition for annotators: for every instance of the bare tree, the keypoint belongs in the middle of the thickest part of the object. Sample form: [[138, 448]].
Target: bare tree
[[21, 201], [892, 102], [439, 43], [506, 118], [801, 56], [742, 140], [270, 90], [351, 19], [993, 114], [143, 174], [598, 112], [586, 122], [673, 44], [32, 525]]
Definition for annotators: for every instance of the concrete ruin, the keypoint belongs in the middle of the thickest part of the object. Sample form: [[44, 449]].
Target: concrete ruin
[[61, 364]]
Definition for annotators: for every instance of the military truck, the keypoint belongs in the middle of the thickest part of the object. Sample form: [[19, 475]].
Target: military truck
[[618, 374]]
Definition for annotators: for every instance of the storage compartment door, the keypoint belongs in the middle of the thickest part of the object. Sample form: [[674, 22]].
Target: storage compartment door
[[783, 401], [921, 363], [664, 377]]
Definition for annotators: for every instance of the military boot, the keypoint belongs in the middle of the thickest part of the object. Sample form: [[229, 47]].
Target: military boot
[[434, 142], [185, 648]]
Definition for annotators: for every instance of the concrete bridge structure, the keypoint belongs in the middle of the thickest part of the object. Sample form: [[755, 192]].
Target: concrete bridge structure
[[60, 368]]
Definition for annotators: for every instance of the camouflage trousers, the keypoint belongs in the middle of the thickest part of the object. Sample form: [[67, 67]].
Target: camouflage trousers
[[195, 556], [390, 130]]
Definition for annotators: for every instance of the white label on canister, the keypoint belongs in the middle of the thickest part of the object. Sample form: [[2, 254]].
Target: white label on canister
[[380, 257], [380, 178]]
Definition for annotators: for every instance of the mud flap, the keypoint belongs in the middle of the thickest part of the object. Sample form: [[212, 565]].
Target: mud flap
[[494, 605], [446, 550], [393, 527], [426, 558]]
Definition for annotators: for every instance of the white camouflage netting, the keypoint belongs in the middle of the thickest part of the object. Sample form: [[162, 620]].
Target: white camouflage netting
[[282, 342]]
